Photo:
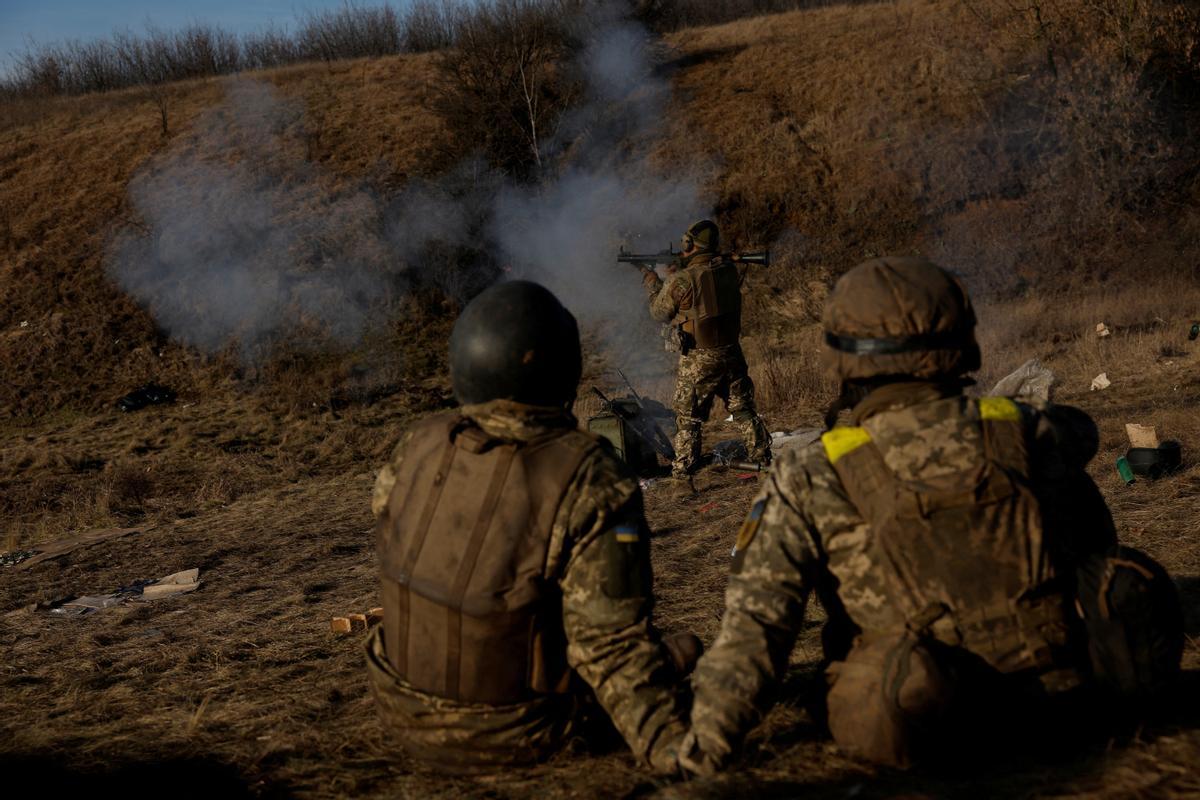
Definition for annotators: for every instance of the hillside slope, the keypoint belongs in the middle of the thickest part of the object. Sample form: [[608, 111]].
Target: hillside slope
[[833, 135]]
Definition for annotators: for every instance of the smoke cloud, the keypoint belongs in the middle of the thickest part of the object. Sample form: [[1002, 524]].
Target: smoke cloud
[[247, 242]]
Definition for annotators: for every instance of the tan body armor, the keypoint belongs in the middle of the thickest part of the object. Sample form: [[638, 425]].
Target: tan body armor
[[958, 554], [469, 614], [715, 316]]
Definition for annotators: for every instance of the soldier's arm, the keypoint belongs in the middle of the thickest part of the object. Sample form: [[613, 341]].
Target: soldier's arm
[[673, 296], [386, 479], [764, 608], [607, 602]]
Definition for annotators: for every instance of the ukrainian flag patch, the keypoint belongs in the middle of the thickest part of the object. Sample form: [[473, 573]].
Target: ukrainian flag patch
[[626, 534]]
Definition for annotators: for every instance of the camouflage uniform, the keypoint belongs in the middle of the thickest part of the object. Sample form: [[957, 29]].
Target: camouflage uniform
[[611, 643], [804, 535], [704, 374]]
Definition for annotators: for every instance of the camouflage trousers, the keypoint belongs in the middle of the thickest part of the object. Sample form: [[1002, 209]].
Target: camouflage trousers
[[705, 374]]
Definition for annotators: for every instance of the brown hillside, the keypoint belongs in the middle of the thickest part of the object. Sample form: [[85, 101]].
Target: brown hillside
[[1043, 162]]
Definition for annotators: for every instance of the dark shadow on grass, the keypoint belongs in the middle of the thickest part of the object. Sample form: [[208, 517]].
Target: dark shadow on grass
[[1189, 595], [177, 778]]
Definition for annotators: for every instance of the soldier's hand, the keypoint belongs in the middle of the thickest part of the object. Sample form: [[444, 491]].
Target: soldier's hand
[[649, 278], [693, 760]]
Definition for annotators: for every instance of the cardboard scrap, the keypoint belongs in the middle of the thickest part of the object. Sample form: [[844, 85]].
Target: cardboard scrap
[[1101, 381], [1141, 435], [176, 583], [1102, 330]]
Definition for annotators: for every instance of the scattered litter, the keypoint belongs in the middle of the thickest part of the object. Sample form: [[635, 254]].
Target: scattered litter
[[801, 437], [1155, 462], [1124, 470], [151, 394], [25, 324], [173, 584], [728, 451], [1031, 379], [646, 483], [1102, 330], [1194, 332], [1141, 435], [1101, 381], [177, 583], [729, 418], [14, 557], [354, 623], [64, 546], [707, 507], [747, 476]]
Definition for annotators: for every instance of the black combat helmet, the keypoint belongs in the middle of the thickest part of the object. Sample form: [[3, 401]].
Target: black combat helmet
[[515, 341]]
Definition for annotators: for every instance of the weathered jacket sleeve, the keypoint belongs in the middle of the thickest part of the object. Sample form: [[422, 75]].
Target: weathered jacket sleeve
[[673, 296], [764, 608], [607, 603], [385, 481]]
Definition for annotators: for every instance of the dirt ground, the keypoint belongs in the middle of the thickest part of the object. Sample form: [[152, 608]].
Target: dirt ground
[[835, 135], [240, 687]]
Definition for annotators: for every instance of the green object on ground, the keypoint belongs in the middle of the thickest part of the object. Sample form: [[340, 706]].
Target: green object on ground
[[1125, 471]]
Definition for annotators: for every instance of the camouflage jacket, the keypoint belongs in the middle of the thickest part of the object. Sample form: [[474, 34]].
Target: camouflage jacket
[[674, 295], [803, 535], [606, 605]]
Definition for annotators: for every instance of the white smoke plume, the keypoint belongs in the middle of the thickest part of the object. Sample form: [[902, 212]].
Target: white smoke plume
[[247, 242]]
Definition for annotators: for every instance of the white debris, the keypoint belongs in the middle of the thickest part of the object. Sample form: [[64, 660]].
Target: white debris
[[1101, 381], [1102, 330], [24, 323], [1031, 379], [801, 437]]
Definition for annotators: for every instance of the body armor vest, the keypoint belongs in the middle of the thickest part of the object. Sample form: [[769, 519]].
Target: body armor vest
[[463, 543], [715, 318], [959, 555]]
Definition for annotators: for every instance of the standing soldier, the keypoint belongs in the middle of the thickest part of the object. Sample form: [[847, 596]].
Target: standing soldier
[[702, 299], [958, 542], [515, 562]]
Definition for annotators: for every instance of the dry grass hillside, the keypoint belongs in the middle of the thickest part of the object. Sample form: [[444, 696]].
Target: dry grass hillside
[[1039, 155]]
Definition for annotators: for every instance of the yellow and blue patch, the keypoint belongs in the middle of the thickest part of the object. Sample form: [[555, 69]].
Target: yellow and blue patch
[[747, 533], [626, 534]]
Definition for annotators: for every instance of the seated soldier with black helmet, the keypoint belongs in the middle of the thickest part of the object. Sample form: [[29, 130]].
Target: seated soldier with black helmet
[[515, 562], [968, 564]]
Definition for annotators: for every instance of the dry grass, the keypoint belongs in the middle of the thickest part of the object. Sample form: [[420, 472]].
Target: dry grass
[[848, 129]]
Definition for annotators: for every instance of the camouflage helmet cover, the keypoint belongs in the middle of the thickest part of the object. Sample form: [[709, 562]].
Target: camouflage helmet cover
[[704, 235], [899, 316]]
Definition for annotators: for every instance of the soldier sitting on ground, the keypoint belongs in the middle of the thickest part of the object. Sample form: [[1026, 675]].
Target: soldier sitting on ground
[[968, 564], [702, 299], [515, 561]]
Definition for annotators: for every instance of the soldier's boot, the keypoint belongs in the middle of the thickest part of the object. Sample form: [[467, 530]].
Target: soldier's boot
[[755, 434], [679, 487], [687, 446]]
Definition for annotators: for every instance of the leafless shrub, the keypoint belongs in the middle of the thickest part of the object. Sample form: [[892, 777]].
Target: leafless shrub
[[352, 31], [504, 88], [428, 25]]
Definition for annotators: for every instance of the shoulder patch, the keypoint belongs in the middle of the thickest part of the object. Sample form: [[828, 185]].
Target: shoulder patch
[[999, 409], [840, 441], [747, 533]]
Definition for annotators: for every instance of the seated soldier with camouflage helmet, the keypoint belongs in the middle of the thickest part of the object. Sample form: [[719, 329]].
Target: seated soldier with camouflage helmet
[[702, 300], [515, 562], [968, 564]]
